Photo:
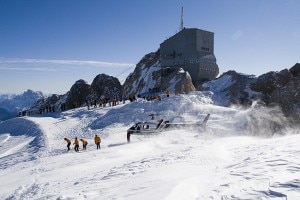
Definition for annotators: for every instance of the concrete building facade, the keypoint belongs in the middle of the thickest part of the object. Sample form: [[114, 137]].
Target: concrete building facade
[[193, 50]]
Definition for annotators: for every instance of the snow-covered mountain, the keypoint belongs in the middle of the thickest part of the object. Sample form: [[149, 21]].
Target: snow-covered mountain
[[12, 104], [238, 157]]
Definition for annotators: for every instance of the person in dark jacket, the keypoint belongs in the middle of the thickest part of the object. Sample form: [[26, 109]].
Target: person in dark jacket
[[68, 143], [128, 136]]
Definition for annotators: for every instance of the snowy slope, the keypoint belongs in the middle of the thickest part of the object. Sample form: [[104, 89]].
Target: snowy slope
[[217, 87], [225, 162]]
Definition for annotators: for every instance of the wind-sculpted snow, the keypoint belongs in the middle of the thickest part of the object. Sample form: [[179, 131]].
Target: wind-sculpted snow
[[264, 121], [21, 140], [255, 120], [240, 156]]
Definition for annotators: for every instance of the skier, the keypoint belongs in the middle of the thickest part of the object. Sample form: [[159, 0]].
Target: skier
[[76, 143], [84, 143], [69, 143], [97, 141]]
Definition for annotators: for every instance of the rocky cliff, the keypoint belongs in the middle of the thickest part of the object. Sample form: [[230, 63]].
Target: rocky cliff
[[150, 76], [271, 89], [105, 86], [81, 93], [282, 89]]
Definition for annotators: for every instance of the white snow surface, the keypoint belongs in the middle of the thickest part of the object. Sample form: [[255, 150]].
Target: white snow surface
[[217, 87], [224, 162]]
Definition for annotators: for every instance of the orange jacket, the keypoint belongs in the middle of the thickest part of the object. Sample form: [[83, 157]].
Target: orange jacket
[[76, 142], [97, 139], [83, 141], [67, 140]]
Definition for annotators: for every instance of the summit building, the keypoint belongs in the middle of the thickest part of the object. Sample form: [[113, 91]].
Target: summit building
[[191, 49]]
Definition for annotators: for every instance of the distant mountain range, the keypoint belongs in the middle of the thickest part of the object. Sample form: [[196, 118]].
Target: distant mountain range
[[12, 104]]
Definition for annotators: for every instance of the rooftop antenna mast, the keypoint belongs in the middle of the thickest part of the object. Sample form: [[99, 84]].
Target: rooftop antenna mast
[[181, 22]]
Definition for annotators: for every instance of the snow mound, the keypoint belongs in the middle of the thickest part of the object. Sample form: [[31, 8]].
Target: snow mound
[[21, 140]]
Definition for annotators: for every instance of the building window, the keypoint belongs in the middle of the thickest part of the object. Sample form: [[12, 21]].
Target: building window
[[204, 49], [197, 60]]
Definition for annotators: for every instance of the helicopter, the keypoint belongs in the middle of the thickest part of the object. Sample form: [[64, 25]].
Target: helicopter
[[156, 126]]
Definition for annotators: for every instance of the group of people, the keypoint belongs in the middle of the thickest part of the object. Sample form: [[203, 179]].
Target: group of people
[[97, 140], [101, 103]]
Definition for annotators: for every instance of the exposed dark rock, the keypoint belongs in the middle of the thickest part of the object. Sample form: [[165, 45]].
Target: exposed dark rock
[[268, 82], [81, 92], [295, 70], [50, 104], [149, 75], [273, 89], [288, 98], [234, 87], [105, 86], [185, 84], [78, 94], [238, 91], [282, 89], [146, 71], [181, 79]]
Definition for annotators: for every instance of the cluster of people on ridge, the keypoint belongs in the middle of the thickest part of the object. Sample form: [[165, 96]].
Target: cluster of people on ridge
[[154, 96], [97, 140], [101, 103], [114, 100]]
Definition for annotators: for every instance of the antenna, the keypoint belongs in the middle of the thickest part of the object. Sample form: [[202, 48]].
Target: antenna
[[181, 22]]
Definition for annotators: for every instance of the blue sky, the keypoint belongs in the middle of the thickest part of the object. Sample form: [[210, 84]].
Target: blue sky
[[47, 45]]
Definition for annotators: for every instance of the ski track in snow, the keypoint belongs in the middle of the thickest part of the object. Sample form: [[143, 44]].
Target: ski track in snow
[[178, 164]]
